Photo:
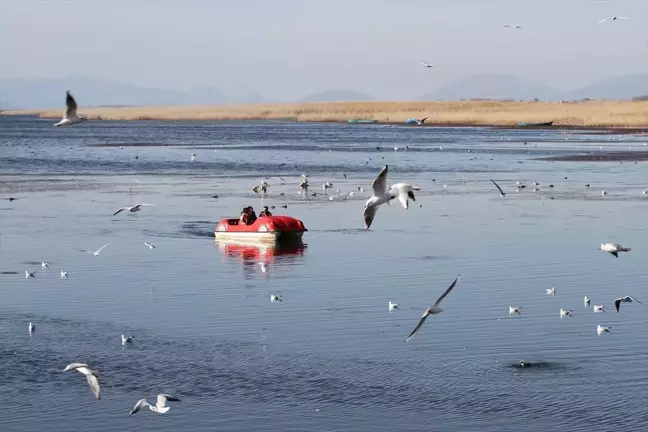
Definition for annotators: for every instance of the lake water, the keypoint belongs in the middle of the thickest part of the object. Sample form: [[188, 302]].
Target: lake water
[[329, 357]]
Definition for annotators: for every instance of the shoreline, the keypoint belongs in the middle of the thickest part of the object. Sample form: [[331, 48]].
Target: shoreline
[[598, 115]]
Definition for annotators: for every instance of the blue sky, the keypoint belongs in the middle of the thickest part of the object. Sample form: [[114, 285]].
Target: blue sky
[[288, 49]]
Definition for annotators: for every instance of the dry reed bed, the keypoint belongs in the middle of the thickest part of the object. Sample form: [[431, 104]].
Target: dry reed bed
[[491, 113]]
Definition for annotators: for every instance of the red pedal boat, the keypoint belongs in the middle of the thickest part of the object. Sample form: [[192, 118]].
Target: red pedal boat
[[264, 229]]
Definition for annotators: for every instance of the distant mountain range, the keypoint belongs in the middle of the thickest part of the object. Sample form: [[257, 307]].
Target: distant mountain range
[[501, 86], [17, 93]]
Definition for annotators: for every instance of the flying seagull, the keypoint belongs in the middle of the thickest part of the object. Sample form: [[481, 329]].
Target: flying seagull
[[600, 329], [31, 328], [551, 291], [91, 375], [393, 306], [64, 274], [132, 209], [565, 312], [149, 245], [160, 406], [434, 309], [427, 65], [624, 299], [599, 308], [29, 274], [502, 193], [402, 191], [512, 26], [127, 339], [515, 310], [97, 252], [612, 18], [613, 248], [70, 116]]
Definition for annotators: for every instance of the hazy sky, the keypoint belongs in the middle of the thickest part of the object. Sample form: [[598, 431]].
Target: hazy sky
[[288, 49]]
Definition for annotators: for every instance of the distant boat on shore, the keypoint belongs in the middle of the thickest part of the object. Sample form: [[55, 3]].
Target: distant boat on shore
[[525, 124], [362, 121]]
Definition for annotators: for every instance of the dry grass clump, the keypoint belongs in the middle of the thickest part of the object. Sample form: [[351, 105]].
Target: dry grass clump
[[602, 113]]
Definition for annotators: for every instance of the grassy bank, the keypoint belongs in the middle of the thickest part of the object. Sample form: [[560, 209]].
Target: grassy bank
[[487, 113]]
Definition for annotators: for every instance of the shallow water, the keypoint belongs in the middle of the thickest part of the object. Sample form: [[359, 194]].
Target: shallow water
[[329, 356]]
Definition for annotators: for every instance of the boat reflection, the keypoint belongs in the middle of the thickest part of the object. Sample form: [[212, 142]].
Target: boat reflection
[[260, 258]]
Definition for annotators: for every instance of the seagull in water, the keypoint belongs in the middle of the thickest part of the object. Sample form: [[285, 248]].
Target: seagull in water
[[29, 274], [127, 339], [600, 329], [613, 248], [502, 194], [515, 310], [624, 299], [132, 209], [433, 310], [149, 245], [160, 406], [70, 116], [91, 376], [402, 191], [95, 253], [612, 18], [64, 274], [551, 291], [393, 306], [427, 65], [599, 308], [565, 312]]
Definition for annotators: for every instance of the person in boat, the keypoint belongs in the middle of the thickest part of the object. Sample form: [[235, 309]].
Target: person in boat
[[251, 216], [265, 212], [245, 216]]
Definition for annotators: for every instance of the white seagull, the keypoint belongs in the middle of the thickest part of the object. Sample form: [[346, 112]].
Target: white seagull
[[612, 18], [31, 328], [565, 312], [380, 195], [512, 26], [515, 310], [95, 253], [427, 65], [127, 339], [64, 274], [160, 406], [433, 310], [600, 329], [624, 299], [275, 298], [44, 264], [502, 193], [91, 376], [70, 116], [263, 266], [393, 306], [586, 301], [599, 308], [551, 291], [614, 248], [29, 274], [132, 209], [149, 245]]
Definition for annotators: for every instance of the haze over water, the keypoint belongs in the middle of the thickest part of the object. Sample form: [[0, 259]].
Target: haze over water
[[330, 356]]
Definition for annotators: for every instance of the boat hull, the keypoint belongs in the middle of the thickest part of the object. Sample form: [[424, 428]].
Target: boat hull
[[270, 229], [523, 124]]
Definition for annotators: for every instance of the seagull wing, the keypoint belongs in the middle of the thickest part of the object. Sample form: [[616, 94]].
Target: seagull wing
[[369, 215], [380, 184], [603, 20], [71, 104], [102, 247], [617, 304], [139, 405], [447, 291], [93, 382], [497, 186], [633, 299], [73, 366], [163, 398], [418, 326], [119, 211], [423, 119]]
